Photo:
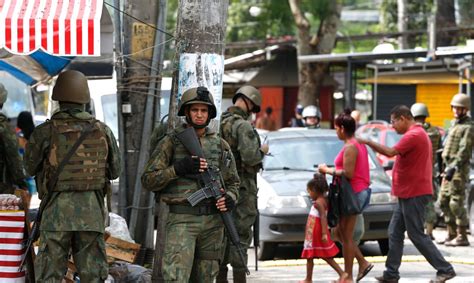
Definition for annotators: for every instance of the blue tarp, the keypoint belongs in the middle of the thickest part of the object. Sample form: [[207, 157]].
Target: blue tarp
[[36, 67]]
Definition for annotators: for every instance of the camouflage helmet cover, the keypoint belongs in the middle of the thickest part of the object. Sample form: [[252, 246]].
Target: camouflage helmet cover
[[419, 109], [461, 100], [197, 95], [251, 93], [3, 94], [71, 86]]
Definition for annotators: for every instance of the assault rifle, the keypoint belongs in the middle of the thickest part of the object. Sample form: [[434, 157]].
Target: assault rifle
[[210, 183]]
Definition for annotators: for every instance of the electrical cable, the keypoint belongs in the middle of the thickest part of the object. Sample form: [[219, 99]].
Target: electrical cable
[[137, 19]]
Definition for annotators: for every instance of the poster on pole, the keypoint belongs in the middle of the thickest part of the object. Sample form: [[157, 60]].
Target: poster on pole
[[202, 69]]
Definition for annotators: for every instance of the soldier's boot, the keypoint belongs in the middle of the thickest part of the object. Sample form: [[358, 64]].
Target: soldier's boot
[[239, 276], [461, 240], [429, 230], [222, 276], [450, 236]]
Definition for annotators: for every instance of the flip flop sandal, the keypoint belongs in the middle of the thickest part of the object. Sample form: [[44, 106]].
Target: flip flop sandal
[[364, 272]]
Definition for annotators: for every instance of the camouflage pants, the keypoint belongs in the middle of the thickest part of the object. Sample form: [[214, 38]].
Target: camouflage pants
[[88, 250], [244, 217], [430, 213], [451, 201], [193, 248]]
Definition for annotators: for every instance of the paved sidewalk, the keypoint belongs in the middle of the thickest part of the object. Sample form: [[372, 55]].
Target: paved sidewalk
[[414, 267]]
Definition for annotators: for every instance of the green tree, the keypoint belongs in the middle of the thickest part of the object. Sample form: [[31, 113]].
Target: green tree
[[322, 41], [314, 23], [416, 12]]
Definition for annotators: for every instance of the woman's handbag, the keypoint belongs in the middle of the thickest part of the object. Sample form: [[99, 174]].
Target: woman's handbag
[[349, 203], [333, 204]]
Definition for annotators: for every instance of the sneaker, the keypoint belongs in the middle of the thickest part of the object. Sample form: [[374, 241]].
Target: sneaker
[[443, 277], [385, 280]]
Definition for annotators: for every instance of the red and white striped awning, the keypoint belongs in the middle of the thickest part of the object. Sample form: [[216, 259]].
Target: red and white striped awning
[[59, 27]]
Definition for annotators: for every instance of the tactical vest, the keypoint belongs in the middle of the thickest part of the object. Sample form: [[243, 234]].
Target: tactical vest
[[451, 148], [229, 130], [86, 169], [179, 189], [435, 138]]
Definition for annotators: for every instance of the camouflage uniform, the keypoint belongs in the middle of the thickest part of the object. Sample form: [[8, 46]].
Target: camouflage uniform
[[11, 165], [74, 216], [435, 138], [245, 144], [158, 133], [193, 241], [456, 154]]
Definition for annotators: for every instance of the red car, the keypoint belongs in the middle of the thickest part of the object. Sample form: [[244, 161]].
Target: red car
[[381, 132]]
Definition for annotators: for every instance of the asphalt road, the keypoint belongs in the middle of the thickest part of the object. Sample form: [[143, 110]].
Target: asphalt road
[[289, 268]]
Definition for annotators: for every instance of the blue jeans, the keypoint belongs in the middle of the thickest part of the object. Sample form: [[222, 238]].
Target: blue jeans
[[409, 215], [364, 198]]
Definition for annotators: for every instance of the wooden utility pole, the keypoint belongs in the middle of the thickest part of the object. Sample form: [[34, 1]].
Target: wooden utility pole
[[200, 47], [138, 88]]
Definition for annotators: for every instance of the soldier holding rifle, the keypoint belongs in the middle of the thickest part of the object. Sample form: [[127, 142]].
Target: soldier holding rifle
[[194, 234]]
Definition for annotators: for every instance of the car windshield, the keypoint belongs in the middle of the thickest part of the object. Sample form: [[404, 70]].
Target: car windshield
[[392, 138], [304, 153]]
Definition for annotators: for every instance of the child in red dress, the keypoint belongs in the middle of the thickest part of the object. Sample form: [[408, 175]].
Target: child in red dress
[[317, 241]]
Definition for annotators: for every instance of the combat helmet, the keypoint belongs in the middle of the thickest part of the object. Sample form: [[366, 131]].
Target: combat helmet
[[311, 111], [3, 94], [251, 93], [71, 86], [419, 109], [194, 96], [461, 100]]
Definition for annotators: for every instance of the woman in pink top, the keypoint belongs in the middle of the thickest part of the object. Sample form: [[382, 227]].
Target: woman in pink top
[[351, 162]]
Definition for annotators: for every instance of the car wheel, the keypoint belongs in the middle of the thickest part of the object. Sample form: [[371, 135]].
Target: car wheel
[[267, 250], [383, 245]]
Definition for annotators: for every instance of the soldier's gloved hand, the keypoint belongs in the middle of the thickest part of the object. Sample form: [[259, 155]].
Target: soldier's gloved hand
[[187, 165], [449, 173], [229, 202]]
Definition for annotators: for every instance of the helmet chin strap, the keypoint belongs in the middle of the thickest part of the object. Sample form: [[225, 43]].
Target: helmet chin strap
[[247, 105]]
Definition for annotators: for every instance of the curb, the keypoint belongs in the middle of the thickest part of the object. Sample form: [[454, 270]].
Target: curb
[[372, 259]]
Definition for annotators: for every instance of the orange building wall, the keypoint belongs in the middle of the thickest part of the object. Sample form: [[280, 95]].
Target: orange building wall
[[437, 98], [325, 103], [273, 97]]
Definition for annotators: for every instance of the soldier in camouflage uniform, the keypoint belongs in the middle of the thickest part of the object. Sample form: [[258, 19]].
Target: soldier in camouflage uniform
[[248, 152], [456, 155], [74, 217], [11, 166], [420, 113], [194, 235]]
